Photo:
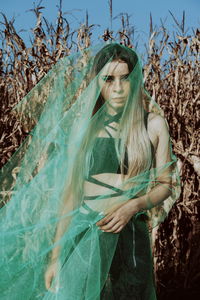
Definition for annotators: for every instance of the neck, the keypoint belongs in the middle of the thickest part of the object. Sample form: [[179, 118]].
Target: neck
[[112, 111]]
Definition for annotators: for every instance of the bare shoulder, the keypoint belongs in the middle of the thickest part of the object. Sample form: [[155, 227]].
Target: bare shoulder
[[157, 123]]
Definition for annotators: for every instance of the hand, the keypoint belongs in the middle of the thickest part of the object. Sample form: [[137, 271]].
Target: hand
[[115, 221], [50, 274]]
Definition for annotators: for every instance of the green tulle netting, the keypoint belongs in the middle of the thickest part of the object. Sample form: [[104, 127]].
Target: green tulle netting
[[66, 175]]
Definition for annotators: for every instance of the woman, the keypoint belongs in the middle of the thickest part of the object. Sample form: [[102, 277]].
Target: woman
[[104, 162]]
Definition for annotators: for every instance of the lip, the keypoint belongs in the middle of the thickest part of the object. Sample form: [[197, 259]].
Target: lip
[[119, 98]]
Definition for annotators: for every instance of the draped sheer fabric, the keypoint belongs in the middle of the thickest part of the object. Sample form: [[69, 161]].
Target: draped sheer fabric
[[71, 171]]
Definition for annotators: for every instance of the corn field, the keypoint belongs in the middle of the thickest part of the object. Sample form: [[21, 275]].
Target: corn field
[[171, 71]]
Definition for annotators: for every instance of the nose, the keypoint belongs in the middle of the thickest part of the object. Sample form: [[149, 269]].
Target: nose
[[118, 86]]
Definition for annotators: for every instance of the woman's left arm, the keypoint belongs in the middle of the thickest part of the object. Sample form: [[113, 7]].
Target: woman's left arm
[[115, 221], [163, 167]]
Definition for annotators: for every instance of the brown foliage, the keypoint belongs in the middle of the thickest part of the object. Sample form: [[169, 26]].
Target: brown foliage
[[173, 80]]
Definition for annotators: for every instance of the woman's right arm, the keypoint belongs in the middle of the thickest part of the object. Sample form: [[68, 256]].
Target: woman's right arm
[[60, 230], [53, 266]]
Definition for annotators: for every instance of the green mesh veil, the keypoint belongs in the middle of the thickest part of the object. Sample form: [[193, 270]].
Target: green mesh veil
[[78, 163]]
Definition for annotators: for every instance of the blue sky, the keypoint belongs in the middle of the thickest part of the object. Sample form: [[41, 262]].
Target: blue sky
[[99, 13]]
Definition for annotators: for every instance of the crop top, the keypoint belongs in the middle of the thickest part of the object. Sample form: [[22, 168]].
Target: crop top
[[104, 154], [105, 158]]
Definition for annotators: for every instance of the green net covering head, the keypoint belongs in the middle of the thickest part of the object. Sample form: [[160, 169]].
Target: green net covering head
[[90, 149]]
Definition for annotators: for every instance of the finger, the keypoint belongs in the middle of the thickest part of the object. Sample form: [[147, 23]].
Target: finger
[[114, 228], [54, 287], [53, 290], [110, 224], [48, 282], [119, 229], [104, 220]]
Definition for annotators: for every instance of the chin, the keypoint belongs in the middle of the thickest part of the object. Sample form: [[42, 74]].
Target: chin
[[115, 107], [119, 104]]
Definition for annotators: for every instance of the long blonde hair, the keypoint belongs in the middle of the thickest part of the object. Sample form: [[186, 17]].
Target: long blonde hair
[[131, 132], [134, 136]]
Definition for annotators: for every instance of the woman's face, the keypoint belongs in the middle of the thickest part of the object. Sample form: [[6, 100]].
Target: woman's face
[[114, 83]]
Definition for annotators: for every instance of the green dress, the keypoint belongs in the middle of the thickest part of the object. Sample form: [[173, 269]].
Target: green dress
[[131, 272]]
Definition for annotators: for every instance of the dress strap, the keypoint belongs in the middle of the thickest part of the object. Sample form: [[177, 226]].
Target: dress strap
[[111, 118], [118, 192], [96, 181]]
